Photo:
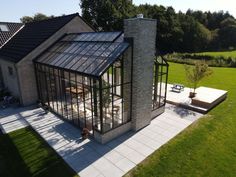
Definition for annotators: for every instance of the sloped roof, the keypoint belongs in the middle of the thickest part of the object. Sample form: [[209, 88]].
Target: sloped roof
[[12, 29], [31, 36], [89, 53]]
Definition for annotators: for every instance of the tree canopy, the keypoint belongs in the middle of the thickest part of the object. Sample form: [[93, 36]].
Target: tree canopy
[[36, 17], [106, 15], [193, 31]]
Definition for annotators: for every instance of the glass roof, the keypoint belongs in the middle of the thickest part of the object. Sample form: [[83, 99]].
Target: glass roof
[[81, 53], [92, 36]]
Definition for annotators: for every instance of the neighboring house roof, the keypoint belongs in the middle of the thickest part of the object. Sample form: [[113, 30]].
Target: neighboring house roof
[[31, 36], [7, 30], [89, 53]]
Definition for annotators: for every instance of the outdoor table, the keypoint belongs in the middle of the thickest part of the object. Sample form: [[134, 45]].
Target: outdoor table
[[177, 87]]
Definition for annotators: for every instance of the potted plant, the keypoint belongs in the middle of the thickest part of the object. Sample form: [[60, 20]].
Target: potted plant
[[85, 133], [194, 74], [39, 103], [46, 109]]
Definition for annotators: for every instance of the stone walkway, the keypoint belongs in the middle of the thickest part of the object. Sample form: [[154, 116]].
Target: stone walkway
[[116, 158], [11, 119]]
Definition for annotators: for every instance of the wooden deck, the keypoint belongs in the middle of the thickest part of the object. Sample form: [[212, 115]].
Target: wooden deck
[[205, 100]]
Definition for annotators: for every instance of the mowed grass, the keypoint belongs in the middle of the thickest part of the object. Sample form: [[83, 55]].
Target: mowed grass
[[24, 154], [224, 54], [207, 147]]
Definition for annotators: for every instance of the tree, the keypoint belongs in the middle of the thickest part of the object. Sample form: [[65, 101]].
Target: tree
[[196, 36], [36, 17], [202, 38], [193, 31], [227, 37], [228, 22], [27, 19], [194, 74], [106, 15], [198, 15], [169, 32]]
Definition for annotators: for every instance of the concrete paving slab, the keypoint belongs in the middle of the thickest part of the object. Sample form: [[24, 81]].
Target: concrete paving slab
[[11, 120], [125, 165], [113, 156], [89, 158]]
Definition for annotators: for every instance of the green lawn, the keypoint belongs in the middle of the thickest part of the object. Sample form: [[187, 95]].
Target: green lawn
[[206, 148], [24, 154], [225, 54]]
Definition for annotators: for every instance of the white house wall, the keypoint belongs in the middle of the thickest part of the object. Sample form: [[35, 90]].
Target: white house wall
[[10, 81]]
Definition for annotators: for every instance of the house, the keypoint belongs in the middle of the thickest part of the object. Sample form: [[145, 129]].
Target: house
[[7, 31], [107, 82], [16, 56]]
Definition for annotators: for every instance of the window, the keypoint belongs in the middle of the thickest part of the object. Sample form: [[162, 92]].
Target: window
[[4, 28], [159, 83], [10, 71]]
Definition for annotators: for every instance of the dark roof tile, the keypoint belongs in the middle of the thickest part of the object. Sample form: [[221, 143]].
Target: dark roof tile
[[6, 35], [31, 36]]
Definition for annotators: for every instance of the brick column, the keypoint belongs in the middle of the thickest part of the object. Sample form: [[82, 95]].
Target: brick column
[[143, 32]]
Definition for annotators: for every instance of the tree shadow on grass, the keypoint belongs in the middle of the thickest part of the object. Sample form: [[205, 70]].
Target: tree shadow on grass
[[11, 163], [24, 154]]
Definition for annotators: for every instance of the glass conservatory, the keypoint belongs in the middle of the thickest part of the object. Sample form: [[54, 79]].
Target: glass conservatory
[[86, 79], [82, 78]]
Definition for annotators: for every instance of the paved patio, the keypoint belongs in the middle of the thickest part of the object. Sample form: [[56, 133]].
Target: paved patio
[[11, 119], [88, 158], [206, 98]]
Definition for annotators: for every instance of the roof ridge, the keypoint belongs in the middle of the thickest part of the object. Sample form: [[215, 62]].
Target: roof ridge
[[32, 35], [54, 18], [12, 23]]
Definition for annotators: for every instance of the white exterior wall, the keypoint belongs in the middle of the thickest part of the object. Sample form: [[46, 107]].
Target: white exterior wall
[[10, 81]]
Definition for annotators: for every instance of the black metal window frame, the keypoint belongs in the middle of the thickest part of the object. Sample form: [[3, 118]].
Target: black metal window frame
[[112, 87], [160, 78], [90, 55], [55, 89]]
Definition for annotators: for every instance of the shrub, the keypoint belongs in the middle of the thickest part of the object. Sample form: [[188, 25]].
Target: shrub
[[215, 61], [4, 93]]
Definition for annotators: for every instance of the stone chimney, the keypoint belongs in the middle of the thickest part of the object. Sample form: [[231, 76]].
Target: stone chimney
[[143, 32]]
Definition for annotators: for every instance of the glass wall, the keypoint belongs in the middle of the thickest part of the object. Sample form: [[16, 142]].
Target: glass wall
[[115, 98], [96, 103], [159, 83]]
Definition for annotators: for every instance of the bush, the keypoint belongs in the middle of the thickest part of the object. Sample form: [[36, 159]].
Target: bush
[[213, 61], [4, 93]]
